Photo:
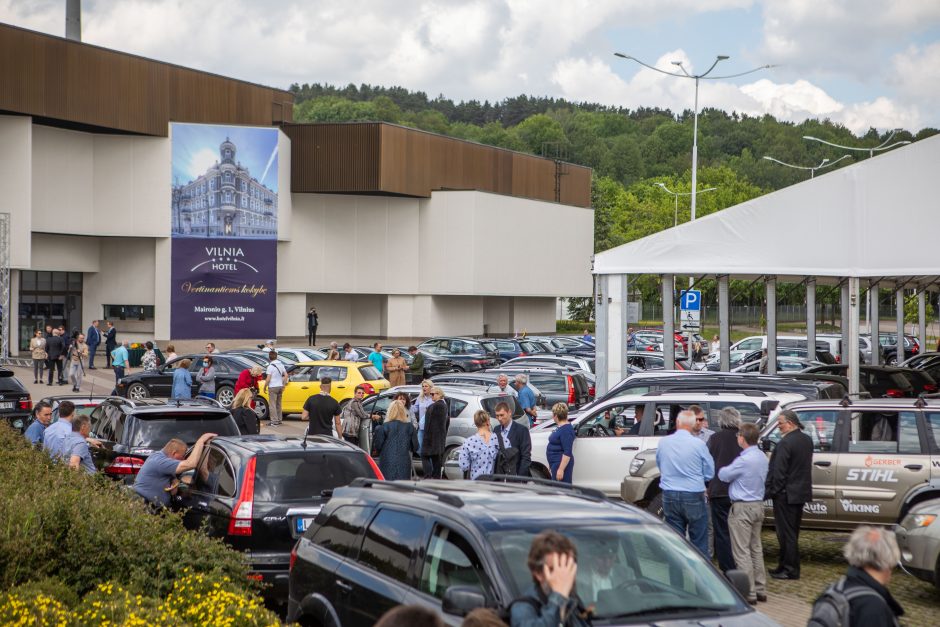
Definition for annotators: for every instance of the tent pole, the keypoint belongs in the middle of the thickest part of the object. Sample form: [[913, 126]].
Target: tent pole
[[874, 299], [624, 323], [811, 318], [844, 321], [922, 318], [669, 342], [899, 355], [724, 323], [600, 334], [771, 325], [850, 319]]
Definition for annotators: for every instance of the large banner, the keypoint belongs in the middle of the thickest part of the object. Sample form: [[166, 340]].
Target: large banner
[[224, 227]]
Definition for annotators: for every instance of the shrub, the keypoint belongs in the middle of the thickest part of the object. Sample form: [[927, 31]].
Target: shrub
[[84, 530], [573, 326]]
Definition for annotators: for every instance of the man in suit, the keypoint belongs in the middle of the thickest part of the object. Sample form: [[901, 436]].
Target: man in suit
[[92, 339], [110, 342], [511, 434], [55, 351], [790, 485]]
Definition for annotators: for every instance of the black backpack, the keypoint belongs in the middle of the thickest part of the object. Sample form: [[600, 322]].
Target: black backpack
[[507, 460], [831, 608]]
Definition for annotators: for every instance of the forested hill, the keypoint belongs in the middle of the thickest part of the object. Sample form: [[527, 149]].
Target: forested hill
[[629, 149]]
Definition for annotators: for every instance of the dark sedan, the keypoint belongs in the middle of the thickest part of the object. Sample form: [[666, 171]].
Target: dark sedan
[[467, 354], [880, 381], [260, 493], [159, 382]]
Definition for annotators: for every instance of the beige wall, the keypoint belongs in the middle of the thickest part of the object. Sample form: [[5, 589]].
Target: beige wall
[[15, 189]]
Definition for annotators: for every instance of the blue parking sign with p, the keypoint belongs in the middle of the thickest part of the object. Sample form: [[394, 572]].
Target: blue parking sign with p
[[690, 300]]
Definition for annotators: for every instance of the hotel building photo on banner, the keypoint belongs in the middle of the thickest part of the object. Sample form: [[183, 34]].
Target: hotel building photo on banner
[[184, 205]]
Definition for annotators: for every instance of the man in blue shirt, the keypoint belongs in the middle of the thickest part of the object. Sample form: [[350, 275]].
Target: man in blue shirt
[[376, 358], [42, 416], [157, 477], [78, 453], [119, 360], [631, 339], [684, 466], [746, 476], [53, 440], [587, 337], [526, 398]]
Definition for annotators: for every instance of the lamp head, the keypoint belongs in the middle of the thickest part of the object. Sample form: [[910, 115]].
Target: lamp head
[[826, 160], [722, 57], [622, 55], [679, 63]]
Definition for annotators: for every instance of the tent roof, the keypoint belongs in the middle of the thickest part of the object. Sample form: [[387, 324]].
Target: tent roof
[[874, 218]]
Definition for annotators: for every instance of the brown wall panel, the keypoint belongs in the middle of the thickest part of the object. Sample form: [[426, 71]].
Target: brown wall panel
[[334, 158], [72, 82]]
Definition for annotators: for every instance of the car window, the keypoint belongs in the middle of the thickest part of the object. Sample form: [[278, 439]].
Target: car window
[[154, 433], [391, 540], [666, 414], [549, 383], [451, 561], [884, 432], [455, 406], [818, 425], [505, 346], [749, 411], [612, 421], [336, 373], [214, 475], [489, 404], [487, 346], [302, 476], [933, 431], [369, 373], [750, 345], [302, 374], [340, 531], [377, 404]]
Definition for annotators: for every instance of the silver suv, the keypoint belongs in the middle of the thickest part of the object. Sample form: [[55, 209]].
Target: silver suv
[[874, 459]]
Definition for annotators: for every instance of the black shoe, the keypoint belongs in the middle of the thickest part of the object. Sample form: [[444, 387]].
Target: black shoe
[[776, 571], [762, 598], [784, 575], [752, 601]]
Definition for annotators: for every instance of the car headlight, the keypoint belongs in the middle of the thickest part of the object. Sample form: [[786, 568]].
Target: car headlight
[[917, 521], [635, 466]]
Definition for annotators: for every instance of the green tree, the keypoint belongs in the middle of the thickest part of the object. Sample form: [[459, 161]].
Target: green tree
[[539, 130]]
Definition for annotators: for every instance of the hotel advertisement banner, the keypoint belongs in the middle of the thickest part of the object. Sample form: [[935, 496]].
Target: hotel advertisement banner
[[224, 232]]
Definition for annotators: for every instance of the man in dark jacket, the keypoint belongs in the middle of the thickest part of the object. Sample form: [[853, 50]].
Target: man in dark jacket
[[511, 434], [872, 554], [724, 448], [110, 342], [93, 339], [790, 485], [416, 369], [55, 351], [436, 426]]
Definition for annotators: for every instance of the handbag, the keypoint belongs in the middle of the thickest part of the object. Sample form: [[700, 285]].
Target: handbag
[[507, 460]]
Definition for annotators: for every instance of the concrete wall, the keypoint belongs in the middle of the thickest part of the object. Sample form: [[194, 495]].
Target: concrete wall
[[15, 188]]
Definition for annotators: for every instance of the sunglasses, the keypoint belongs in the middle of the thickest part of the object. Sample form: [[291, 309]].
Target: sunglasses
[[699, 420]]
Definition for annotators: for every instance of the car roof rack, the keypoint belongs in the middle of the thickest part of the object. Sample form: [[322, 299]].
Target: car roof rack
[[559, 486], [443, 497], [199, 400]]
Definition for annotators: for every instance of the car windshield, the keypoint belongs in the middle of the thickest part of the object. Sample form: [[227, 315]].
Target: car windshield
[[626, 570], [154, 433], [304, 476]]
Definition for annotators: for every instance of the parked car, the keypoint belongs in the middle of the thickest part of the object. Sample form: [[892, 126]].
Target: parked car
[[293, 355], [466, 354], [921, 381], [889, 346], [260, 493], [84, 404], [870, 464], [569, 361], [648, 360], [557, 384], [260, 357], [918, 537], [451, 547], [928, 362], [16, 404], [574, 344], [878, 380], [784, 364], [159, 382], [304, 382], [130, 430], [510, 348], [608, 436], [484, 379]]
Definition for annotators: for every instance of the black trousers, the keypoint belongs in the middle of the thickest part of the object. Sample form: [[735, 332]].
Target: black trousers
[[721, 507], [787, 519], [312, 335], [54, 365], [107, 357], [433, 466]]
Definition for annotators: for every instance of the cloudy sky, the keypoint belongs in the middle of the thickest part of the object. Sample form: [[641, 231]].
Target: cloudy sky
[[860, 62]]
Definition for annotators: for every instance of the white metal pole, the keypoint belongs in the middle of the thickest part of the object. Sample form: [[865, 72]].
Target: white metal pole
[[695, 150], [922, 319], [811, 318], [771, 286], [850, 348], [669, 341], [724, 323], [899, 299]]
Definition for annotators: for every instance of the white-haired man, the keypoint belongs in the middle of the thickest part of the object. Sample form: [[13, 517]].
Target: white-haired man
[[685, 465], [526, 398]]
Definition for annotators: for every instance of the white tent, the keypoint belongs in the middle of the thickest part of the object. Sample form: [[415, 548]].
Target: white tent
[[872, 220]]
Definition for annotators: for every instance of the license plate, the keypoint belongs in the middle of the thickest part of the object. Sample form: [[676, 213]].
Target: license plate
[[6, 405], [303, 524]]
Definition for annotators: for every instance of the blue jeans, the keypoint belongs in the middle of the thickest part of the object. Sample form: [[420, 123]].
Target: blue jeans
[[686, 512]]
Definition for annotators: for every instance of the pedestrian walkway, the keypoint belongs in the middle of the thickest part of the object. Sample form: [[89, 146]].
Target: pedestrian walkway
[[789, 611]]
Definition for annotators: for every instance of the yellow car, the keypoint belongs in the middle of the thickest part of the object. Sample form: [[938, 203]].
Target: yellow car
[[305, 382]]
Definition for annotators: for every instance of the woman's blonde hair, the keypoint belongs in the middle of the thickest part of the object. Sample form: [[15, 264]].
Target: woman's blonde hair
[[242, 399], [430, 385], [560, 410], [397, 411], [481, 418], [256, 371]]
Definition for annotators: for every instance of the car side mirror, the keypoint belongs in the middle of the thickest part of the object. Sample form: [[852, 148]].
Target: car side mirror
[[739, 580], [461, 600], [766, 445], [768, 406]]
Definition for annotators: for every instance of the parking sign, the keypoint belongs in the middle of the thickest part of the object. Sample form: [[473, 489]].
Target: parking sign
[[690, 303]]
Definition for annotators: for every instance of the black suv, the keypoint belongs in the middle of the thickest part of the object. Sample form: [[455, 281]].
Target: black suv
[[453, 546], [159, 382], [467, 354], [16, 405], [259, 494], [129, 431]]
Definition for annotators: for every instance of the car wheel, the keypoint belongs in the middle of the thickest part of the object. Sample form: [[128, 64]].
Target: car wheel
[[137, 391], [225, 395], [458, 369], [655, 506], [261, 408]]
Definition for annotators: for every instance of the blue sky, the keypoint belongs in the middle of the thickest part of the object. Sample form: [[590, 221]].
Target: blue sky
[[862, 63], [196, 148]]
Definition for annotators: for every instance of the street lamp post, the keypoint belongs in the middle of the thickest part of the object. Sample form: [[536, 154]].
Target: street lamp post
[[696, 77], [825, 163], [871, 150], [676, 195]]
